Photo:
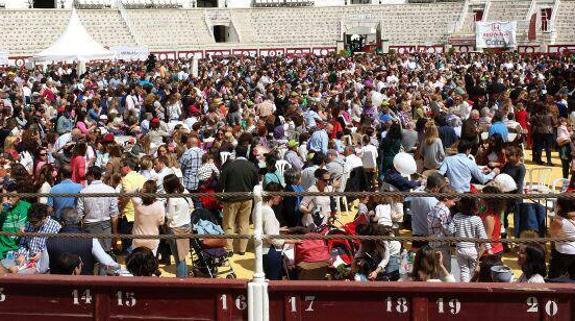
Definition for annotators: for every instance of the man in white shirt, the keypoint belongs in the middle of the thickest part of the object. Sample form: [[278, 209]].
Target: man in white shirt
[[351, 160], [368, 153], [65, 140], [162, 170], [99, 214]]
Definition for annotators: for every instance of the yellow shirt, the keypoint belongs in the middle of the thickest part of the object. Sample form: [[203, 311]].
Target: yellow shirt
[[131, 183]]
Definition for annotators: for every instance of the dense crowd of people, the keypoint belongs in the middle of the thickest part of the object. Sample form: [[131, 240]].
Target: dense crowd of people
[[458, 123]]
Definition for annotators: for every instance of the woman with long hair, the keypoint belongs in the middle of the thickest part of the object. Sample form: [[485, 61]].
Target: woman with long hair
[[492, 154], [431, 149], [272, 249], [149, 215], [78, 163], [40, 159], [178, 214], [563, 253], [44, 181], [390, 146], [531, 260], [428, 266]]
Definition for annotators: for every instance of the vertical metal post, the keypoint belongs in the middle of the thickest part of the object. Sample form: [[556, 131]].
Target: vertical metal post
[[258, 302]]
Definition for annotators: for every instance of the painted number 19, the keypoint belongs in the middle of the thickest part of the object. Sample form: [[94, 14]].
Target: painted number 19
[[454, 306]]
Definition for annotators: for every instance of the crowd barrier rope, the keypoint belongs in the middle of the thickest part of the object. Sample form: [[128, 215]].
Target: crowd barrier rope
[[260, 300], [229, 196], [287, 237], [224, 196]]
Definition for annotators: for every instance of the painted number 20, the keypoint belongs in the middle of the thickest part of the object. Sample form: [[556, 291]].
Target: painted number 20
[[551, 307]]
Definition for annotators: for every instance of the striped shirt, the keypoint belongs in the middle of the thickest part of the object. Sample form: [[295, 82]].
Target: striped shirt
[[469, 226], [189, 164], [438, 222], [29, 246]]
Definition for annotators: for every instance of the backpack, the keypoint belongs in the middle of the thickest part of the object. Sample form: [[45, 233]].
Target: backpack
[[311, 251]]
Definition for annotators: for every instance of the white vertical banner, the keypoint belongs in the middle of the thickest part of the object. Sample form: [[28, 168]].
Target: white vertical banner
[[4, 58], [496, 34]]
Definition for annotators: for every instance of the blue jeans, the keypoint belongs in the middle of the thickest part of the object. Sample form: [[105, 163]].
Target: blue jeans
[[393, 264], [181, 266], [273, 264]]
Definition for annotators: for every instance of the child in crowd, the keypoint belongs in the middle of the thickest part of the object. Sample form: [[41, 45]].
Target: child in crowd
[[467, 224], [377, 259]]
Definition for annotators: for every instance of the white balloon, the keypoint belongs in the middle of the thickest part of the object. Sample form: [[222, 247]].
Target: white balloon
[[405, 164]]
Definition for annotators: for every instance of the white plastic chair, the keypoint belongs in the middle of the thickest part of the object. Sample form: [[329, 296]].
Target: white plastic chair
[[281, 166], [224, 156], [539, 179], [558, 186]]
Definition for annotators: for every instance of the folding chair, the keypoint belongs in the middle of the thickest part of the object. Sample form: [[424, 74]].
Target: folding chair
[[539, 179], [281, 166]]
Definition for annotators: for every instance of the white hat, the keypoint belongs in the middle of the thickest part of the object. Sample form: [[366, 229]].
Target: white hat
[[505, 183]]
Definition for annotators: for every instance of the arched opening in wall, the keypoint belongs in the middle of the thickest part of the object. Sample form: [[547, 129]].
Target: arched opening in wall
[[45, 4], [223, 33]]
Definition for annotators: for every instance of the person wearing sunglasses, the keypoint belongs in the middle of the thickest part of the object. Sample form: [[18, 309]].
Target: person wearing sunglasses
[[316, 209]]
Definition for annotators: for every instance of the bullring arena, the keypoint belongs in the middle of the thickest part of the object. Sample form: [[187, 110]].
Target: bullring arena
[[287, 160]]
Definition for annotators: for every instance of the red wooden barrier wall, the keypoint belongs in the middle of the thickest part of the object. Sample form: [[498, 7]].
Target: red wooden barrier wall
[[47, 298], [408, 301]]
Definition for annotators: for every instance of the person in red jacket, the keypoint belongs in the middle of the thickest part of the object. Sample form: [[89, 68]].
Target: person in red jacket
[[78, 163]]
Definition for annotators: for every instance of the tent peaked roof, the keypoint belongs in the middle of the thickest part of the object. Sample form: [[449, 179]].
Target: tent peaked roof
[[75, 44]]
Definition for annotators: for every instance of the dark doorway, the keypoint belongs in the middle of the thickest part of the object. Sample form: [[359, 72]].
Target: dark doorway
[[45, 4], [545, 18], [478, 15], [220, 33], [207, 3]]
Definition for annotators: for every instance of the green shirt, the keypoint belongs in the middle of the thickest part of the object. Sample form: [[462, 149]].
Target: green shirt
[[15, 221]]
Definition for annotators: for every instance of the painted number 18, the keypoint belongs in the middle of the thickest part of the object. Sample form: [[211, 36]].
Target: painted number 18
[[399, 303]]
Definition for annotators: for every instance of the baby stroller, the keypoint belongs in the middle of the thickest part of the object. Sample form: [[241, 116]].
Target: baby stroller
[[210, 258], [342, 251]]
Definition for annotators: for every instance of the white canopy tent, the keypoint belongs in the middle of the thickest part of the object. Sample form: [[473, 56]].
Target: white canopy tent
[[74, 45]]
